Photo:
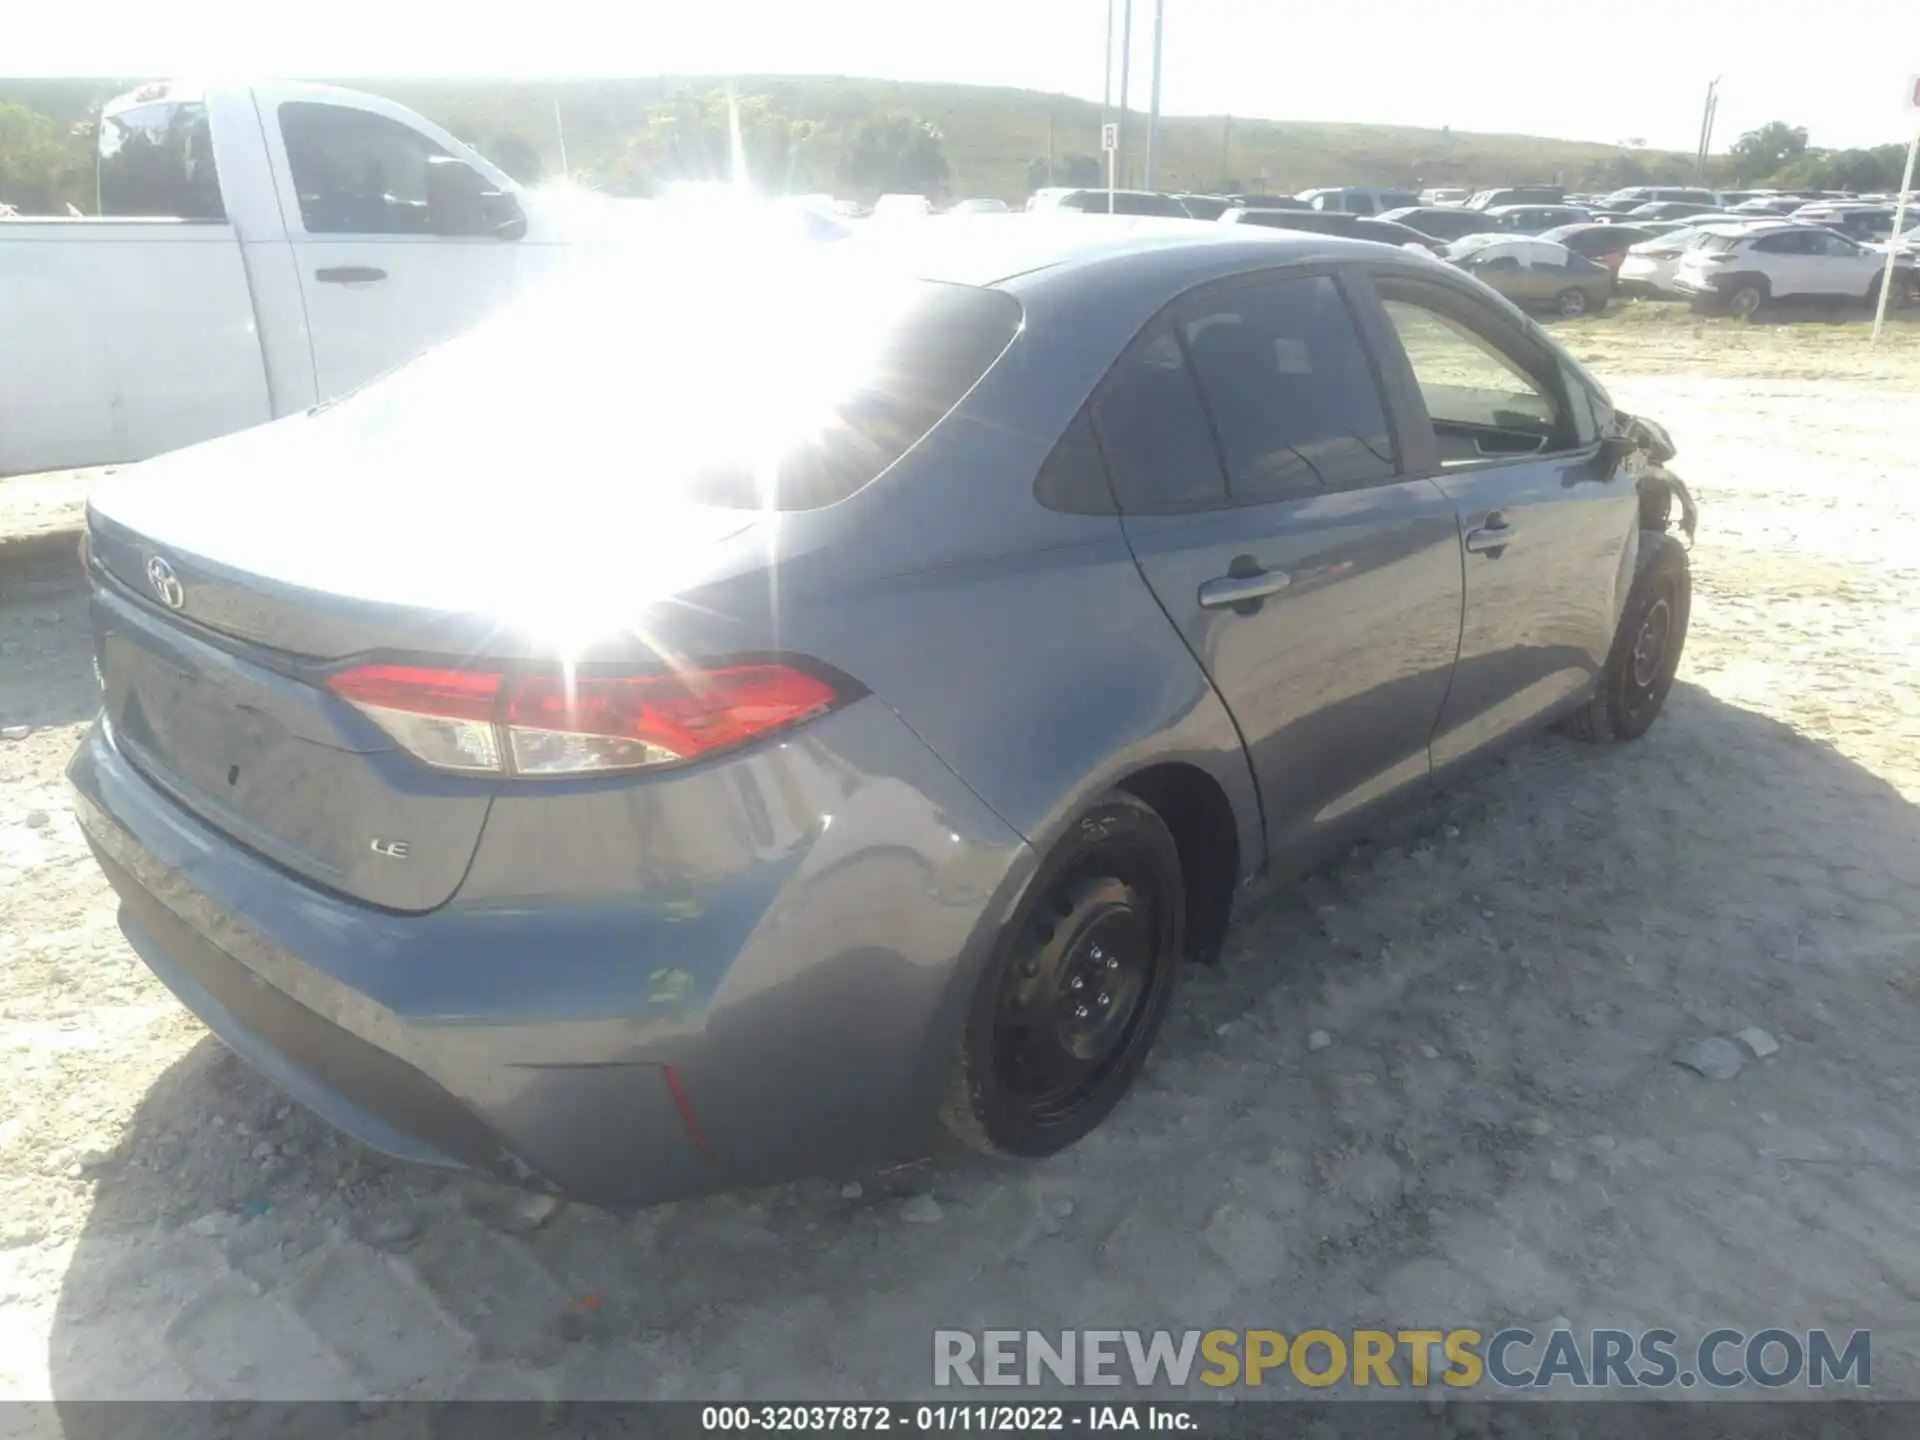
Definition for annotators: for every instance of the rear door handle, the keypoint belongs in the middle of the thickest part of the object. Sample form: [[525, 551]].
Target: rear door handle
[[1492, 537], [349, 274], [1247, 587]]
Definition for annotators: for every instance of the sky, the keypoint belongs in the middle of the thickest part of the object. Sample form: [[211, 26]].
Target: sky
[[1624, 69]]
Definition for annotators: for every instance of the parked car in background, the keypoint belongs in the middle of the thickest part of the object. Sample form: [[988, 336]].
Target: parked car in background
[[1532, 219], [1268, 202], [1744, 270], [1452, 222], [902, 207], [1672, 209], [573, 842], [1517, 195], [1858, 220], [259, 249], [1357, 199], [1647, 270], [1446, 195], [1632, 197], [1601, 243], [1535, 274], [1730, 198], [985, 206], [1333, 222], [1205, 207], [1117, 202]]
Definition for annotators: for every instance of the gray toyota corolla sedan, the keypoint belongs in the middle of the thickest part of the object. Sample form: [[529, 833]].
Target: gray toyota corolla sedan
[[716, 722]]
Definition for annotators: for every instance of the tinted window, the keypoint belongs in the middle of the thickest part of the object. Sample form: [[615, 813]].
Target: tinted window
[[1074, 477], [1830, 244], [157, 160], [1468, 382], [1791, 242], [356, 173], [1148, 205], [1288, 386], [1158, 446]]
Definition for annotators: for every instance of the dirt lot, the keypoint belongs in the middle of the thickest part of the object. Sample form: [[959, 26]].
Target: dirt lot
[[1495, 1133]]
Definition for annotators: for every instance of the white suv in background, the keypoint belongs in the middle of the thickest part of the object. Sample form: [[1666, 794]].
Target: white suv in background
[[1741, 271], [1648, 268]]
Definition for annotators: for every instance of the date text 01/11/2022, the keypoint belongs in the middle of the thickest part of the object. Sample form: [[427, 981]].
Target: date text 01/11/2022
[[942, 1419]]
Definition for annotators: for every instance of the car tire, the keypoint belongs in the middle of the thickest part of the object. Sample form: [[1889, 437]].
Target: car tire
[[1746, 300], [1570, 303], [1900, 296], [1639, 672], [1078, 985]]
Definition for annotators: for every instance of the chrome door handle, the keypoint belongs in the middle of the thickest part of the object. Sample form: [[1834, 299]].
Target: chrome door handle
[[1231, 591], [1492, 537]]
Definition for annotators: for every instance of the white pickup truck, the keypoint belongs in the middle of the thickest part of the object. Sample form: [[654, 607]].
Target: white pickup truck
[[258, 249]]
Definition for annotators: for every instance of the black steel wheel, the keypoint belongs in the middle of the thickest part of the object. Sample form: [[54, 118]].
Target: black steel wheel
[[1068, 1008], [1639, 672]]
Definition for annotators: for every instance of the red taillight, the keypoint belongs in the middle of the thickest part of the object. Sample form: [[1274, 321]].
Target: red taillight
[[558, 724]]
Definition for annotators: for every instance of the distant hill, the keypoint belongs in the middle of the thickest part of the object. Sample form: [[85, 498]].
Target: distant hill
[[992, 136]]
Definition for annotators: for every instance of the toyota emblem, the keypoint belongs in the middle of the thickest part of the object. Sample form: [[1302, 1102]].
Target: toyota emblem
[[165, 583]]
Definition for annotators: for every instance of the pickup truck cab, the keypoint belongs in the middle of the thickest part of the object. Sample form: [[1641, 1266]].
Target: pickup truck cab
[[259, 249]]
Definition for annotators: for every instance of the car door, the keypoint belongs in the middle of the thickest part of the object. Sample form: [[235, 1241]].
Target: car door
[[380, 286], [1319, 586], [1840, 267], [1548, 518], [1786, 258]]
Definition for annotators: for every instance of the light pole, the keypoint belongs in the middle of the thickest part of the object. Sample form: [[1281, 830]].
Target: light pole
[[1706, 130], [1153, 95], [1106, 79], [1126, 68]]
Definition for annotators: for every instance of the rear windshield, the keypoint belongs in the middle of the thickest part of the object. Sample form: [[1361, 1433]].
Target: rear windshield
[[785, 387]]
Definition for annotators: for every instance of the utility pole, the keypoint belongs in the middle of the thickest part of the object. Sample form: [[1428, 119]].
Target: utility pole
[[1126, 69], [1226, 150], [1153, 96], [560, 133], [1706, 130], [1106, 82]]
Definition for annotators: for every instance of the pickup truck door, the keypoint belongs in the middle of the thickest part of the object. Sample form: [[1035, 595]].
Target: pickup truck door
[[380, 285], [1316, 583], [1548, 517]]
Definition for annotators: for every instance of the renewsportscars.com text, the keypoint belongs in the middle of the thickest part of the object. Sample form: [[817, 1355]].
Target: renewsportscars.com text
[[1512, 1359]]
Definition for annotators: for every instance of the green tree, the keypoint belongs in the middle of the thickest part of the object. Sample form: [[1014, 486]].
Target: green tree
[[1763, 151], [1078, 170], [690, 138], [516, 155], [43, 168], [886, 154], [1875, 169]]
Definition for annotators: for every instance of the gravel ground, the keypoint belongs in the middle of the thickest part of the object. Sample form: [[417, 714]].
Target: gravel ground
[[1495, 1133]]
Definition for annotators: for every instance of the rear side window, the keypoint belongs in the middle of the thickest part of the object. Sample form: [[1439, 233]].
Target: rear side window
[[1291, 394], [1786, 243], [1154, 432], [157, 161], [1719, 244]]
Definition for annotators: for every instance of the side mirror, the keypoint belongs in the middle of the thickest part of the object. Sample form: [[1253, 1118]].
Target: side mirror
[[1614, 449], [462, 202]]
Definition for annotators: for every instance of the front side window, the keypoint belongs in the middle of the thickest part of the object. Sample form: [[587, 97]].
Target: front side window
[[1484, 404], [156, 161], [1791, 242], [356, 173], [1287, 384]]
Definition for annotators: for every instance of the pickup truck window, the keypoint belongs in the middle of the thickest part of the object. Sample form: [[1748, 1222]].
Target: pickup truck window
[[156, 162], [356, 173]]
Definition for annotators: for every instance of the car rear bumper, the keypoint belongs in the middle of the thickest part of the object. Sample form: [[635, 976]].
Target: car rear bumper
[[620, 1050]]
